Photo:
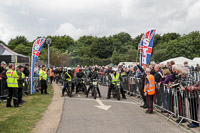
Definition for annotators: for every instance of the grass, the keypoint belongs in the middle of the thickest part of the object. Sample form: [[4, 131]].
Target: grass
[[23, 119]]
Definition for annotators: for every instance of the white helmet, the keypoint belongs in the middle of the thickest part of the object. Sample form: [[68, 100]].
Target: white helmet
[[3, 62], [69, 68], [115, 69]]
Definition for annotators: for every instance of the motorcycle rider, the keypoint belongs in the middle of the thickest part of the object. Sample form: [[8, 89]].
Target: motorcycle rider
[[93, 75], [79, 75], [68, 75], [115, 77]]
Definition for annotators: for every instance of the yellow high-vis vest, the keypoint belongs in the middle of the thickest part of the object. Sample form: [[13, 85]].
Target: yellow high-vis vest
[[114, 79], [43, 74], [12, 78]]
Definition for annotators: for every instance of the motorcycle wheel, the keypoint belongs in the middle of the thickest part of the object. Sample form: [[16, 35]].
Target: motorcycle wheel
[[85, 90], [118, 94], [95, 93], [70, 91]]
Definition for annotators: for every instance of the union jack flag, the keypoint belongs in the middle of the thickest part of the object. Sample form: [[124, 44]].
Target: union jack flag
[[145, 46]]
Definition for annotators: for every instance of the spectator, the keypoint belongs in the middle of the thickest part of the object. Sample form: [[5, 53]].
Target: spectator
[[76, 70], [2, 68], [26, 70], [132, 74]]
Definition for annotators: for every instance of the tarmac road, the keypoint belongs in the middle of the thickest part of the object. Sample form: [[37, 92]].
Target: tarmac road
[[80, 115]]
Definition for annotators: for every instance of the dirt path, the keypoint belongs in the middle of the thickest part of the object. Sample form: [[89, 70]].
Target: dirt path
[[52, 116]]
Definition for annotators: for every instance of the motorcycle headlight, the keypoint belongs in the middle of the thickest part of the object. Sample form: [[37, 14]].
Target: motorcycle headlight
[[94, 83]]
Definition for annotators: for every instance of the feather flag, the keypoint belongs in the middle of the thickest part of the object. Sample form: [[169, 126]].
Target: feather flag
[[146, 46], [37, 47]]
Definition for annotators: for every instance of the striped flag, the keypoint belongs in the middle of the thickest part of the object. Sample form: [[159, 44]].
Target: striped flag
[[37, 47], [146, 46]]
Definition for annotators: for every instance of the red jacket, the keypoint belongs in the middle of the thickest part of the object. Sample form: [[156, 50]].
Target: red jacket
[[76, 70]]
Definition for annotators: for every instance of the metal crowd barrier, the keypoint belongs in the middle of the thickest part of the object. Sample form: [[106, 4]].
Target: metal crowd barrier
[[131, 85], [188, 106], [104, 79], [26, 88], [183, 105], [165, 98]]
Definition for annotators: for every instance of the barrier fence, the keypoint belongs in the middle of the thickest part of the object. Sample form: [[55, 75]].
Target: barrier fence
[[183, 105], [26, 88]]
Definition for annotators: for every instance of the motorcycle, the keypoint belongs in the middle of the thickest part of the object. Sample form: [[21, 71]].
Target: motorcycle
[[69, 88], [116, 90], [94, 88], [82, 85]]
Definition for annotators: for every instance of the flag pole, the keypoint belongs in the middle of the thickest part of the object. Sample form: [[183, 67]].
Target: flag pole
[[32, 72], [137, 52]]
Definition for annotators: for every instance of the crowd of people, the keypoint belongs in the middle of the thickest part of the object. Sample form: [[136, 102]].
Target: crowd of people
[[153, 81]]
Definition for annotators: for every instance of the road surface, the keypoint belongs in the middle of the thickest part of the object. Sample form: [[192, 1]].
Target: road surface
[[81, 115]]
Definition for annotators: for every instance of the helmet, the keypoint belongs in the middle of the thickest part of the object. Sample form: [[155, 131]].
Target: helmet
[[115, 69], [69, 68], [3, 62]]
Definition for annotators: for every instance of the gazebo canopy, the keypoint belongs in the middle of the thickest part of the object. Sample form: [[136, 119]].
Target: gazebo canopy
[[180, 61], [10, 56]]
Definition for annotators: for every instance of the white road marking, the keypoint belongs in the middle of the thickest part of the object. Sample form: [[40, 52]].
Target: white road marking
[[79, 95], [111, 101], [102, 106]]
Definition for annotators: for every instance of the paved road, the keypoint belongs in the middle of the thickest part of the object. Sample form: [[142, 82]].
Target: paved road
[[81, 116]]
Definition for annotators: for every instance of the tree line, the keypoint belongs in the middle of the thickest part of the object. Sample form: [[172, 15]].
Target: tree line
[[91, 50]]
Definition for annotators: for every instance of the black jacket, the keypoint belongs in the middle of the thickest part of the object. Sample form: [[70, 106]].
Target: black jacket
[[26, 72], [1, 69], [157, 77], [80, 75], [20, 80], [66, 75], [93, 75]]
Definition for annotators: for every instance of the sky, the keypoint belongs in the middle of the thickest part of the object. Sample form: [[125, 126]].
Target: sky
[[33, 18]]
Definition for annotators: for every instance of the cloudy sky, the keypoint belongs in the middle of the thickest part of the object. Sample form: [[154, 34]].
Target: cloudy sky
[[33, 18]]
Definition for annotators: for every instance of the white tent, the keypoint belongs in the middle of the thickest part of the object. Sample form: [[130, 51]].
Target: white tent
[[180, 61], [197, 59], [128, 63]]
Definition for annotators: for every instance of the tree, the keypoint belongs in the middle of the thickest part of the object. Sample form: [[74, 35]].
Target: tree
[[17, 41]]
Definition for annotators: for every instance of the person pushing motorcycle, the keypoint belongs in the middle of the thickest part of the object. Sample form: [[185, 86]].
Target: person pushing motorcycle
[[113, 78], [93, 75], [68, 75], [79, 75]]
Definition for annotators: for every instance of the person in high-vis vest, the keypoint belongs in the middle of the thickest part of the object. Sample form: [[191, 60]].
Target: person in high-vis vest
[[68, 76], [21, 83], [12, 84], [113, 78], [51, 75], [149, 90], [43, 78]]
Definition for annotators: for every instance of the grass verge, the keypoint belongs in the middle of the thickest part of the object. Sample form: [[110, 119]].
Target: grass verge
[[23, 119]]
